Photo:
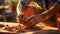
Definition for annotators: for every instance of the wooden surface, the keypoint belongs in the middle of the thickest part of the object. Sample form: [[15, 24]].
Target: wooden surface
[[5, 31], [2, 31], [9, 23], [29, 32]]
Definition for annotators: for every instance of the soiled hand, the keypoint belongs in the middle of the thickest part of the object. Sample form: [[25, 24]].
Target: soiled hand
[[31, 21]]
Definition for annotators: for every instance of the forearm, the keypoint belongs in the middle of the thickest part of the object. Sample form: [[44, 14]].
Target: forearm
[[47, 14]]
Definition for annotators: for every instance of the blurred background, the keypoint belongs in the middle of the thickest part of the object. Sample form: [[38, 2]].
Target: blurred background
[[8, 10]]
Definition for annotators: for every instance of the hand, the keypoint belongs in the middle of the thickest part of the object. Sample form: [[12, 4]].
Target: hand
[[30, 22]]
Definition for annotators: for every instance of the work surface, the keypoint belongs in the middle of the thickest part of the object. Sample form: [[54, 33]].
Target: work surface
[[35, 32], [9, 23], [29, 32], [2, 31]]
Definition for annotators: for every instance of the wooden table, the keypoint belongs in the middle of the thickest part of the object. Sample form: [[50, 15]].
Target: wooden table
[[6, 32], [29, 32], [9, 24]]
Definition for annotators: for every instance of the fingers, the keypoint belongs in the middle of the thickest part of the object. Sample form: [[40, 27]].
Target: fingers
[[31, 21], [32, 24], [29, 18], [28, 24], [28, 21]]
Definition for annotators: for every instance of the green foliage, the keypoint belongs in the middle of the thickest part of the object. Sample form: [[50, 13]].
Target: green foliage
[[12, 2]]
